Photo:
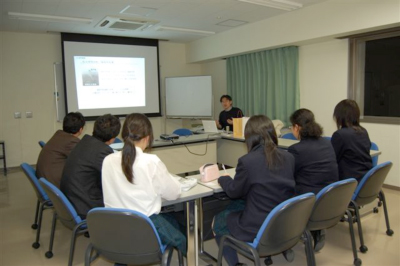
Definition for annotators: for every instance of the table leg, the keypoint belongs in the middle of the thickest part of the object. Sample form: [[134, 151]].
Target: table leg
[[192, 239], [208, 258]]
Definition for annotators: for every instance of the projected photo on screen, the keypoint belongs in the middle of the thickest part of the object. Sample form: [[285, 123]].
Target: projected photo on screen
[[109, 82], [108, 74]]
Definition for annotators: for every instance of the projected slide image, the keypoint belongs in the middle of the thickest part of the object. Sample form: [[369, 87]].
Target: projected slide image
[[109, 82]]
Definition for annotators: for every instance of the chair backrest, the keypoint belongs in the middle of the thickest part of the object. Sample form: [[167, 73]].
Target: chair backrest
[[117, 140], [183, 132], [124, 236], [374, 147], [284, 225], [288, 136], [331, 204], [327, 137], [31, 175], [66, 213], [42, 143], [371, 184]]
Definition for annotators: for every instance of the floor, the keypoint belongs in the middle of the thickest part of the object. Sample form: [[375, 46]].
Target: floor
[[18, 202]]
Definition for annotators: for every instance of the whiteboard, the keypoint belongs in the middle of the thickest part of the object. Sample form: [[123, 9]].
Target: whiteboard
[[188, 97]]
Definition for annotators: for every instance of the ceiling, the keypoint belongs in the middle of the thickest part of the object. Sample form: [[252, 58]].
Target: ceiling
[[203, 15]]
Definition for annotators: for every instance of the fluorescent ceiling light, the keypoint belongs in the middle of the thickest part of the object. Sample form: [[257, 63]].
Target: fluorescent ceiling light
[[48, 18], [279, 4], [201, 32]]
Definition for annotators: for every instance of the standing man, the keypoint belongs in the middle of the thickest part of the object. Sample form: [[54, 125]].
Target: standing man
[[54, 154], [81, 178], [229, 112]]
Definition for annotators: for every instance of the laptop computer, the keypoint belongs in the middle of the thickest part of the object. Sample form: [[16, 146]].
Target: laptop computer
[[210, 126]]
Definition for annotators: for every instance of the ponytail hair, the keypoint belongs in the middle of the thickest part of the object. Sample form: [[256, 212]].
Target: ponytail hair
[[260, 130], [309, 128], [136, 127]]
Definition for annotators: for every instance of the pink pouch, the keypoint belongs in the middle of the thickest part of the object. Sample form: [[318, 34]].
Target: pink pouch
[[209, 172]]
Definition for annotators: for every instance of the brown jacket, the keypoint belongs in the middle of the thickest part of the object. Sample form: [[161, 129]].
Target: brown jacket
[[52, 158]]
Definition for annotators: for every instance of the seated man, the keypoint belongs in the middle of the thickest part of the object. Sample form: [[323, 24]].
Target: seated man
[[225, 120], [53, 155], [81, 178]]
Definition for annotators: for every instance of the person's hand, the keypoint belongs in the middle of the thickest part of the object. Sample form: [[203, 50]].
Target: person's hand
[[230, 121]]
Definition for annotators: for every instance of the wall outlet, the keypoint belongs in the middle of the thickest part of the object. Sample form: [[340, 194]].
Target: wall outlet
[[28, 114], [17, 115]]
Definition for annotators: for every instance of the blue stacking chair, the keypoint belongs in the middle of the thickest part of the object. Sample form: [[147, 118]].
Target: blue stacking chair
[[117, 140], [374, 147], [66, 213], [43, 201], [282, 229], [42, 143], [288, 136], [330, 206], [183, 132], [369, 189], [125, 237]]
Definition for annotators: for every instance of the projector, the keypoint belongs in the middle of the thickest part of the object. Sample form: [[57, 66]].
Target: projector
[[169, 136]]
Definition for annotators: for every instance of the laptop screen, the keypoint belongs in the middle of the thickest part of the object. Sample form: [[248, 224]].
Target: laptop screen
[[210, 126]]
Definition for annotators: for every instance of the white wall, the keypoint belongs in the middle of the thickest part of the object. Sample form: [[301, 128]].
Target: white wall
[[311, 24], [27, 84], [323, 83]]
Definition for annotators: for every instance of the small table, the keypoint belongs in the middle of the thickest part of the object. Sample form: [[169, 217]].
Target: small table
[[3, 156]]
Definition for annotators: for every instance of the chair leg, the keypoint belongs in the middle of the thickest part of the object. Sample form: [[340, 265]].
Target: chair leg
[[309, 248], [180, 258], [357, 261], [88, 254], [166, 256], [75, 231], [49, 254], [220, 249], [35, 223], [382, 198], [36, 244], [363, 247]]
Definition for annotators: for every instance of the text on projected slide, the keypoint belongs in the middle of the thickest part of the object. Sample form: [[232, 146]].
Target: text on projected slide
[[109, 82]]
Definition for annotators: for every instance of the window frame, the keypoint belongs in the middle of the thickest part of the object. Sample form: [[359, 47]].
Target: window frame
[[356, 71]]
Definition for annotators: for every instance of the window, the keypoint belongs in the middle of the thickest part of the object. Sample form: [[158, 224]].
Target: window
[[375, 75]]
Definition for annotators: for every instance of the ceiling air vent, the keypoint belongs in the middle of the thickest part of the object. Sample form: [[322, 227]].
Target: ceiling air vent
[[125, 24]]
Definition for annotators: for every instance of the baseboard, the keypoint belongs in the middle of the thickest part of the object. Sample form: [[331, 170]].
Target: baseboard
[[391, 187]]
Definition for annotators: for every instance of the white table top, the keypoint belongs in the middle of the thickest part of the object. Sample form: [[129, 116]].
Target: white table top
[[196, 192], [214, 184]]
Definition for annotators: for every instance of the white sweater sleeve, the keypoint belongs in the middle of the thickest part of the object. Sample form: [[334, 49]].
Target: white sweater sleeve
[[164, 183]]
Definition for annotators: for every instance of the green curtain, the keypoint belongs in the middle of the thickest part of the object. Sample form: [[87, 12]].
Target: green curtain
[[265, 82]]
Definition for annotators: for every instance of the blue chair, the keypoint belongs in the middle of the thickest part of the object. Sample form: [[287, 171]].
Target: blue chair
[[288, 136], [183, 132], [125, 237], [330, 206], [43, 201], [65, 212], [117, 140], [369, 189], [42, 143], [327, 137], [374, 147], [282, 229]]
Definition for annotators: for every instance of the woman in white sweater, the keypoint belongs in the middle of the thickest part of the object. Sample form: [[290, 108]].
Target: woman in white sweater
[[135, 180]]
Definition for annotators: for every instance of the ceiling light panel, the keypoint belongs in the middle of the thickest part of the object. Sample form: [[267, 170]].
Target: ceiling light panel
[[278, 4], [48, 18]]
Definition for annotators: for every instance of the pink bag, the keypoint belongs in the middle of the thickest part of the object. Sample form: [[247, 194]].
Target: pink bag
[[209, 172]]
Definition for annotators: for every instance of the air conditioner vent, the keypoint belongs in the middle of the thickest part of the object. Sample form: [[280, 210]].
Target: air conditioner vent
[[124, 23]]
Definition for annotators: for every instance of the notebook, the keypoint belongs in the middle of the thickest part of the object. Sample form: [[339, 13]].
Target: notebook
[[210, 126]]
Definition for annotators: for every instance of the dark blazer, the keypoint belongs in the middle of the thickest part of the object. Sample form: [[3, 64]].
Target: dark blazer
[[225, 115], [261, 188], [81, 178], [352, 150], [53, 155], [315, 165]]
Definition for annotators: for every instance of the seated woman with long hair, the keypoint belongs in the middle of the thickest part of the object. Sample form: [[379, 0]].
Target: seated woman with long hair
[[136, 180], [315, 159], [263, 179], [351, 141]]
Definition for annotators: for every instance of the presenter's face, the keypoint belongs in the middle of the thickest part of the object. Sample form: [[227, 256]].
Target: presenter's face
[[226, 104]]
